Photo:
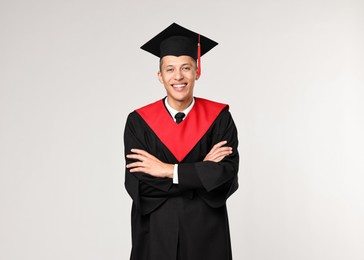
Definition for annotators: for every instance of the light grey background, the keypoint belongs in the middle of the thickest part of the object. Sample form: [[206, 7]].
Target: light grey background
[[292, 72]]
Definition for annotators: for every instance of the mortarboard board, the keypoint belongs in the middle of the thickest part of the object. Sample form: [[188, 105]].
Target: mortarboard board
[[177, 41]]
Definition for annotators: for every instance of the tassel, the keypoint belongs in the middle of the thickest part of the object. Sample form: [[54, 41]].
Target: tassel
[[198, 57]]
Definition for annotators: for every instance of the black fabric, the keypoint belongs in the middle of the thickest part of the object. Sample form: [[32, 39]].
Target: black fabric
[[188, 220], [178, 46], [179, 117], [176, 40]]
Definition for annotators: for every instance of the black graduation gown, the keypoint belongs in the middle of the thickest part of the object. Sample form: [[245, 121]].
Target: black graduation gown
[[187, 221]]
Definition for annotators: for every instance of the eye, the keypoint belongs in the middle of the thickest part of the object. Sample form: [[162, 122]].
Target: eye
[[186, 68], [169, 69]]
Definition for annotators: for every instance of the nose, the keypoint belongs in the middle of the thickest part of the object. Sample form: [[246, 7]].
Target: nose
[[178, 75]]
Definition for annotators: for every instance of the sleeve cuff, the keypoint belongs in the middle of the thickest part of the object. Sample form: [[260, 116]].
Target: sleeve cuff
[[175, 174]]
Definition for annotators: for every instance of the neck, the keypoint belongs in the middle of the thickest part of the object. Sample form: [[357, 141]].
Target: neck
[[179, 105]]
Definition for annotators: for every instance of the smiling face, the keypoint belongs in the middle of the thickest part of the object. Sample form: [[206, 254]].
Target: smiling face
[[178, 75]]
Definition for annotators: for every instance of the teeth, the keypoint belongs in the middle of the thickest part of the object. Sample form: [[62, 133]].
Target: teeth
[[179, 85]]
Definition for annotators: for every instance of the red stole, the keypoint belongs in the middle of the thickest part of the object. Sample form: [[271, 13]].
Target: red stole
[[181, 138]]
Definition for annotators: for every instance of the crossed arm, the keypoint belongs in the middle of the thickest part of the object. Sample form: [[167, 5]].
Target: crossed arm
[[151, 165]]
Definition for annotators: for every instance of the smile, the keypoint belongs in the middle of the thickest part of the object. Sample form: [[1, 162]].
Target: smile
[[179, 86]]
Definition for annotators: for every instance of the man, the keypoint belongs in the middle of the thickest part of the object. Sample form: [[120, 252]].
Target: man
[[182, 160]]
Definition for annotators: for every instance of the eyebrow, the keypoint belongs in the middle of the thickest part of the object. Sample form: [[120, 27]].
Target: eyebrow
[[184, 64]]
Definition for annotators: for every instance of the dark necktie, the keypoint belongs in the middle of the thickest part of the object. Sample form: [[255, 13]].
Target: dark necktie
[[179, 117]]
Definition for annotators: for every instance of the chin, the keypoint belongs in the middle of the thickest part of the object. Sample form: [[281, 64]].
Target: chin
[[181, 96]]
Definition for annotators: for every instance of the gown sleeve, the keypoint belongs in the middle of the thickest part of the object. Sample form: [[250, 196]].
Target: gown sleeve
[[147, 192], [214, 182]]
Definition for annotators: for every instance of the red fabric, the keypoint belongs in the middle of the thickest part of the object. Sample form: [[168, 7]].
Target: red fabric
[[181, 138]]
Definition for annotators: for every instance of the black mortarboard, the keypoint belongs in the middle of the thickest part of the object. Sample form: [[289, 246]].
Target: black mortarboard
[[176, 40]]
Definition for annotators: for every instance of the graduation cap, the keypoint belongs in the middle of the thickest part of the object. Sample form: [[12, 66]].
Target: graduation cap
[[177, 41]]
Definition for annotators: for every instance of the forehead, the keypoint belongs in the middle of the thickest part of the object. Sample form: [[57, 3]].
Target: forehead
[[170, 60]]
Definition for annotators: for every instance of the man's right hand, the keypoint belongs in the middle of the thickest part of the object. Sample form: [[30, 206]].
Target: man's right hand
[[218, 152]]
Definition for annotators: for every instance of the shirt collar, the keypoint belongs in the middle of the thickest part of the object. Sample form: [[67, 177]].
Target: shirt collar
[[173, 111]]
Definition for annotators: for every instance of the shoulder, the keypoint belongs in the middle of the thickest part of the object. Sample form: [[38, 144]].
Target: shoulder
[[133, 116], [225, 119], [133, 120], [209, 104], [150, 108], [209, 109]]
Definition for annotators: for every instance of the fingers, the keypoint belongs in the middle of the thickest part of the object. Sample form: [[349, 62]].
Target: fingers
[[138, 169], [219, 152], [217, 146], [140, 166], [145, 162], [140, 155], [134, 164], [141, 152], [223, 151], [135, 156]]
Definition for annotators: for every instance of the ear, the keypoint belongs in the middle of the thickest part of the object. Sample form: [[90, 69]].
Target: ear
[[160, 78], [197, 76]]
